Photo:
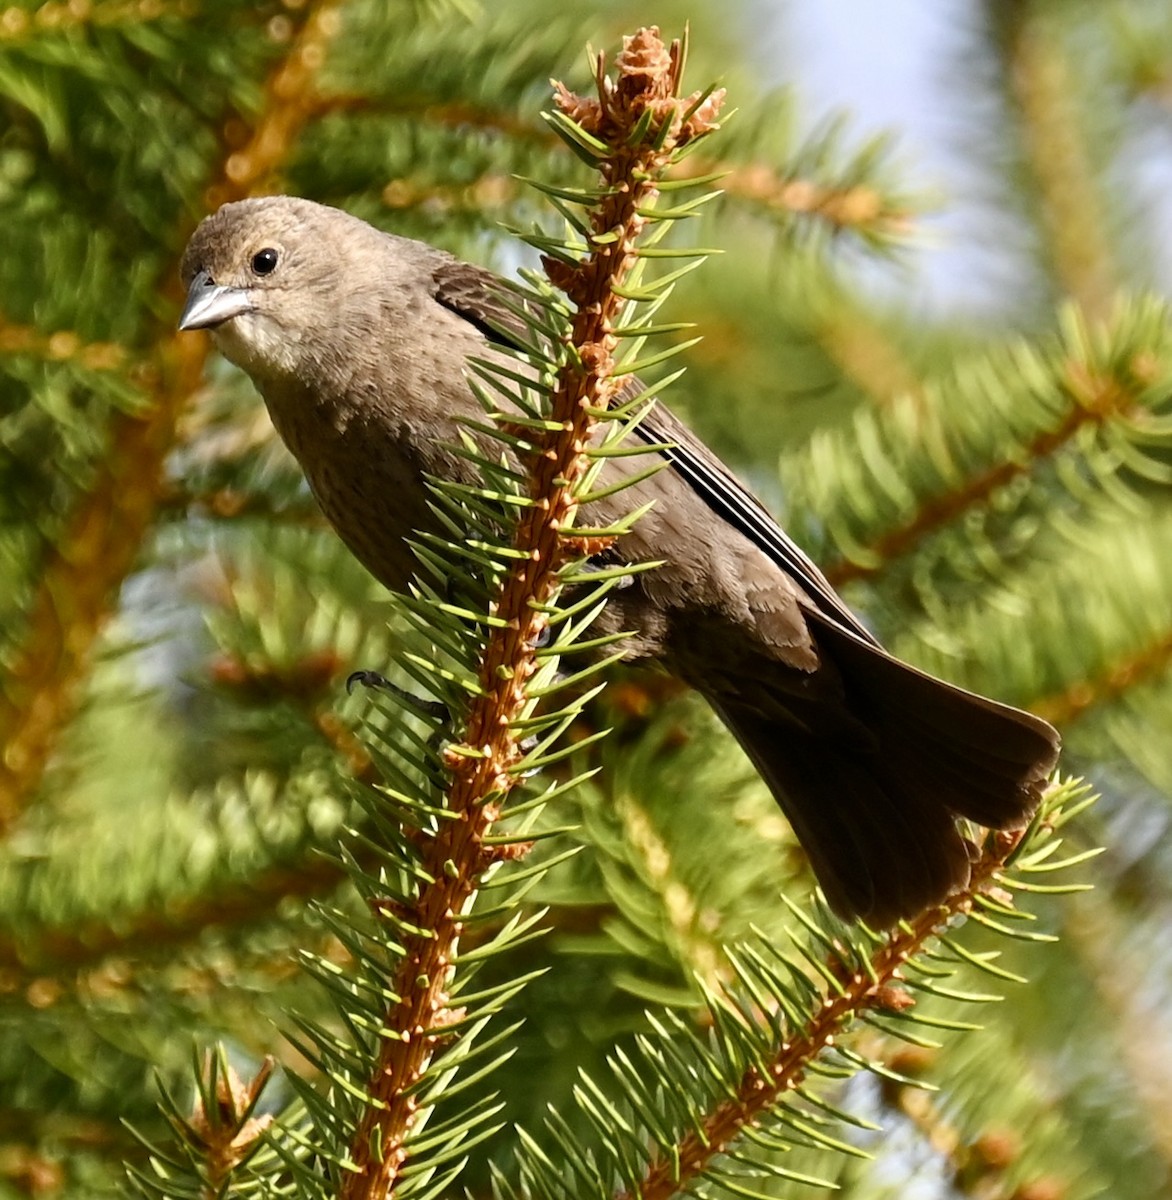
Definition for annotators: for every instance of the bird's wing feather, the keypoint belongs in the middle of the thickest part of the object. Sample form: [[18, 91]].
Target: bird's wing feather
[[720, 489], [475, 294]]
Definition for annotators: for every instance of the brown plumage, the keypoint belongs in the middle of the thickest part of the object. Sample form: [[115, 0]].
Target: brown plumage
[[357, 340]]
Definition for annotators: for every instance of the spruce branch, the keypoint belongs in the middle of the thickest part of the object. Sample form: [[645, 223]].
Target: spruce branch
[[61, 346], [1115, 680], [1118, 970], [222, 1125], [1093, 401], [304, 684], [849, 207], [1090, 656], [866, 355], [105, 533], [217, 1137], [449, 114], [76, 947], [82, 945], [880, 988], [631, 129], [943, 510], [56, 16], [291, 101], [859, 206], [81, 574], [1091, 390], [722, 1108], [37, 1150], [489, 193], [976, 1166], [1041, 83], [699, 950], [674, 907]]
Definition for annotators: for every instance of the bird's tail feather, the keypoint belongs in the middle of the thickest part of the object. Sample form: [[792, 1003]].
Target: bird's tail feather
[[876, 812]]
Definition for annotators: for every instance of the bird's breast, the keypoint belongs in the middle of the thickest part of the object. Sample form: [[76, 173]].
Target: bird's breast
[[365, 469]]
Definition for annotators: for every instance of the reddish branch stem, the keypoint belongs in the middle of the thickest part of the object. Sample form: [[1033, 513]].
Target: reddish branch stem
[[1095, 399], [877, 989], [458, 856], [102, 540]]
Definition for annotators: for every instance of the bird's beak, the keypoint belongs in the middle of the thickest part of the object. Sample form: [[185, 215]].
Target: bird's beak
[[210, 304]]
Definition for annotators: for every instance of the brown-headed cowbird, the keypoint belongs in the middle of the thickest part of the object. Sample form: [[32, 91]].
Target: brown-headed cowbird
[[359, 341]]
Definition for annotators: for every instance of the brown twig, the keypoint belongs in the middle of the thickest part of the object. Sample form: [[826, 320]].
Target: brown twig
[[154, 932], [82, 572], [878, 989], [60, 347], [222, 1129], [1094, 398], [1041, 83], [291, 101], [1116, 680], [850, 207], [104, 535], [482, 767], [65, 950], [858, 207], [16, 24], [977, 1166]]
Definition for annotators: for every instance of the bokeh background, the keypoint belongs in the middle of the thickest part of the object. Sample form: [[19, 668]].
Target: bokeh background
[[936, 341]]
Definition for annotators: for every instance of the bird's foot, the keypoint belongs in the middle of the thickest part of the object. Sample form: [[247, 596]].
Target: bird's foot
[[606, 560], [425, 708]]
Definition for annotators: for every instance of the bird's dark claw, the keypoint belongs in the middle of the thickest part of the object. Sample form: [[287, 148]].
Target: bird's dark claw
[[370, 679], [606, 559], [425, 708], [526, 746]]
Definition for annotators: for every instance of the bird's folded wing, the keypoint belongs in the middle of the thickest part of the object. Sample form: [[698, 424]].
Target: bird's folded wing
[[720, 489], [476, 295]]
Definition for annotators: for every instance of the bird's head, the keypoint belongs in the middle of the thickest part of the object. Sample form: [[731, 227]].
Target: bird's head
[[266, 276]]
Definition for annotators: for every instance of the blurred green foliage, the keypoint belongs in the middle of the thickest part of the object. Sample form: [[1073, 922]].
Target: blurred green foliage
[[176, 620]]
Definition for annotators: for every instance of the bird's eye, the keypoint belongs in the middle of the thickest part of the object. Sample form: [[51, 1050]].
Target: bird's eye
[[264, 262]]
